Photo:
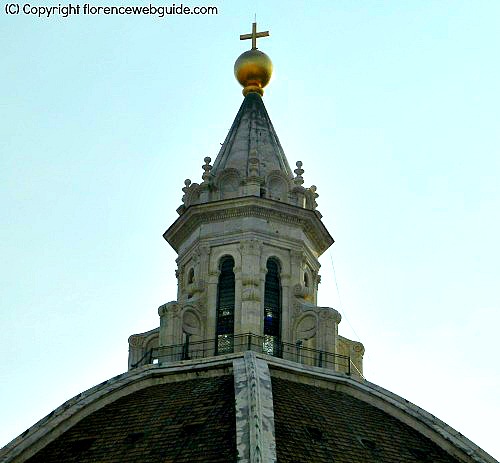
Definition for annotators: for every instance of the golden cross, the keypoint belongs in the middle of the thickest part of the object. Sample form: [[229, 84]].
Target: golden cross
[[254, 36]]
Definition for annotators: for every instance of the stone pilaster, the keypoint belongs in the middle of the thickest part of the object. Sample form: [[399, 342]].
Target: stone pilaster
[[213, 279], [285, 307], [251, 303]]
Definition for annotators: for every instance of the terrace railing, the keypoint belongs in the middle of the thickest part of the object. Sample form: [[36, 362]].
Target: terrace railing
[[239, 343]]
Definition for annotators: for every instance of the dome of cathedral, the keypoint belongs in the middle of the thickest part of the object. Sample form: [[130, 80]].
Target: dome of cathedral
[[240, 407], [244, 365]]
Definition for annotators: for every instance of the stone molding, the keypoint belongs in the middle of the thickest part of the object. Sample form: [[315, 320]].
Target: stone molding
[[255, 438], [299, 290], [249, 206]]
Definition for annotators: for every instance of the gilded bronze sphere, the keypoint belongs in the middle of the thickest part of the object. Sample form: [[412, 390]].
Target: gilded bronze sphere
[[253, 71]]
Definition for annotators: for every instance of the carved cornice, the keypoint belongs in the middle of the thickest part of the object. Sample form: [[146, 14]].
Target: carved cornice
[[250, 206]]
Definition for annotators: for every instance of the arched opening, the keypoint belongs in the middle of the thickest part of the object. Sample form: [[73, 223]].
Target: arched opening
[[272, 309], [225, 307]]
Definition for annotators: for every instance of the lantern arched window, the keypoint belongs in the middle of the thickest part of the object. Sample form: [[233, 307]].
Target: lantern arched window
[[225, 307], [272, 309]]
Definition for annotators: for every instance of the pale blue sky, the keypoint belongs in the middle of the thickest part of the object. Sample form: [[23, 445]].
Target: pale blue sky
[[393, 109]]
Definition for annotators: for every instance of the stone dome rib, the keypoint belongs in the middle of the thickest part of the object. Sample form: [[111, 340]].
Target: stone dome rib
[[252, 135]]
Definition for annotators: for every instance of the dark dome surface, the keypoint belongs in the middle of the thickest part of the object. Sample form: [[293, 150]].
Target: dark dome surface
[[194, 420], [321, 425], [186, 421], [240, 405]]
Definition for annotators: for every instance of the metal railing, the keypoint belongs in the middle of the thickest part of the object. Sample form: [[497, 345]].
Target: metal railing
[[239, 343]]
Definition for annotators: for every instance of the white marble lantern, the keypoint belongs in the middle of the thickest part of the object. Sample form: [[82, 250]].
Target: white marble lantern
[[248, 238]]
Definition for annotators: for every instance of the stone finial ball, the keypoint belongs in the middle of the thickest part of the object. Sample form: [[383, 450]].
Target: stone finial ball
[[253, 71]]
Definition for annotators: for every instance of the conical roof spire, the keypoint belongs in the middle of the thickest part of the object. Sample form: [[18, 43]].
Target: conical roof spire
[[252, 146], [251, 136]]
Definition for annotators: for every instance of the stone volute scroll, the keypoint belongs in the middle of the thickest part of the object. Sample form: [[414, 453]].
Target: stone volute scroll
[[191, 195], [303, 292], [193, 285], [311, 197], [191, 324], [307, 327]]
